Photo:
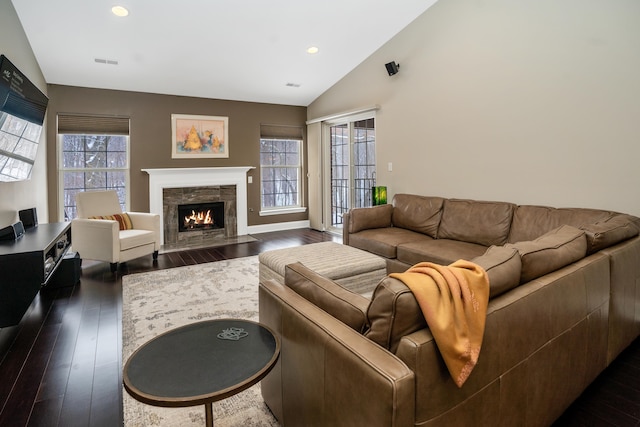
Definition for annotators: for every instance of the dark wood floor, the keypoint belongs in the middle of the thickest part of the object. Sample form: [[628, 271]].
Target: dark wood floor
[[62, 366]]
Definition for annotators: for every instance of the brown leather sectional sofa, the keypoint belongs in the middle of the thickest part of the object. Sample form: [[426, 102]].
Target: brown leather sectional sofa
[[565, 301]]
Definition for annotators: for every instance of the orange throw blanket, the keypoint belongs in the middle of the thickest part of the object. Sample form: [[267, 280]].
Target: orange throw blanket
[[454, 302]]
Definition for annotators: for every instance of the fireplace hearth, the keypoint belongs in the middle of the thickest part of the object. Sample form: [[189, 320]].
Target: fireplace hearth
[[200, 216]]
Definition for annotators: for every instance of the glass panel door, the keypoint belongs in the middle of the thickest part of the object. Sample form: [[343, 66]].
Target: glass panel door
[[353, 166], [339, 138]]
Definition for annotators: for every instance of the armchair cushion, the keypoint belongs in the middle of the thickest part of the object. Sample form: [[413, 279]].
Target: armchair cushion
[[92, 203], [133, 238], [124, 221]]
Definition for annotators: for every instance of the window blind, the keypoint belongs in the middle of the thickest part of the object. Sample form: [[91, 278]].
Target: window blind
[[280, 132], [97, 125]]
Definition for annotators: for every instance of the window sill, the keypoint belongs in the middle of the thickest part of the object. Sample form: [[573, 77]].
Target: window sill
[[283, 211]]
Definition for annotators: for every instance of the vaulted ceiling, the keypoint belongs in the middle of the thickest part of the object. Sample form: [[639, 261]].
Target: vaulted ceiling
[[247, 50]]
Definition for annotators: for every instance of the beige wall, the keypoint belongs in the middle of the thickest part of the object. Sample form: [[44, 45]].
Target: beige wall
[[533, 101], [150, 136], [32, 193]]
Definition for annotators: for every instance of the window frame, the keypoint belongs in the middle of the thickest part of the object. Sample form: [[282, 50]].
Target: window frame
[[30, 135], [281, 210], [62, 170]]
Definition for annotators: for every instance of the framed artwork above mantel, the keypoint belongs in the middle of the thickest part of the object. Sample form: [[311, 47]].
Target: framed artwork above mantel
[[194, 137]]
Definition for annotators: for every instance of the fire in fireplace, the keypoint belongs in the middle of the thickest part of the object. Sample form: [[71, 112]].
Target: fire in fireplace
[[200, 216]]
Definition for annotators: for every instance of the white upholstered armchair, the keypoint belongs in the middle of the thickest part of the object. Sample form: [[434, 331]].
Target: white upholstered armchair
[[103, 232]]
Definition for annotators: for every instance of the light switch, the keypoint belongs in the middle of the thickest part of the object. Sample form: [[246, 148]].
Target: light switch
[[250, 179], [390, 167]]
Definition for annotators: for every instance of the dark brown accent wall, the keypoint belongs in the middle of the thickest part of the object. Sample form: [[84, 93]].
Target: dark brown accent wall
[[150, 137]]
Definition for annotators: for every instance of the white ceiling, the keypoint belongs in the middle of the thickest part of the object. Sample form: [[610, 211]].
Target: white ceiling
[[247, 50]]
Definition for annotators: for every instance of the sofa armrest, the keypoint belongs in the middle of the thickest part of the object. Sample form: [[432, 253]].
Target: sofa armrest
[[371, 217], [147, 221], [345, 228], [325, 367], [96, 239], [346, 306]]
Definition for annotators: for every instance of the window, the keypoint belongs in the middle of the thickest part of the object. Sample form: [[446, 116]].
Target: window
[[280, 175], [280, 169], [18, 147], [88, 160]]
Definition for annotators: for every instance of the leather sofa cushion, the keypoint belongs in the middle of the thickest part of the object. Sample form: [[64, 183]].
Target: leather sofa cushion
[[484, 223], [551, 251], [384, 241], [531, 222], [503, 266], [392, 314], [607, 233], [417, 213], [344, 305], [374, 217], [439, 251]]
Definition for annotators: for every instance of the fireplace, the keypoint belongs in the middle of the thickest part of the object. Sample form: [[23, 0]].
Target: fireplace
[[232, 181], [193, 215], [200, 216]]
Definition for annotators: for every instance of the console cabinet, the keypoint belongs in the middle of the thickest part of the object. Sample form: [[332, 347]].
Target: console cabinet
[[27, 264]]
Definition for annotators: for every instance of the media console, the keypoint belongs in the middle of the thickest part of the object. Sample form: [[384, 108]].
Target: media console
[[27, 264]]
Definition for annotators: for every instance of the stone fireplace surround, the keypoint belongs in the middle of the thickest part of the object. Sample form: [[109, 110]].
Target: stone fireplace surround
[[161, 179], [174, 197]]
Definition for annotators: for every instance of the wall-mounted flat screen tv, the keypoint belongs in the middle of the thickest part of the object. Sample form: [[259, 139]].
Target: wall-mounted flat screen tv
[[22, 111]]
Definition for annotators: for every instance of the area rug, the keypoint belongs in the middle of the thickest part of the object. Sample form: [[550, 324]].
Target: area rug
[[155, 302]]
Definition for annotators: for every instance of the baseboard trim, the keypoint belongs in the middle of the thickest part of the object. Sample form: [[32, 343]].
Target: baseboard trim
[[278, 226]]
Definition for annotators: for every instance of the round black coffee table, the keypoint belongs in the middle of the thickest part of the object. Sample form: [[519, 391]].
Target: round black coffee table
[[201, 363]]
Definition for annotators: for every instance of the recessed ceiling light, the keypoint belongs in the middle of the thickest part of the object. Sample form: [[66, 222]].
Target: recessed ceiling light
[[119, 11], [312, 50]]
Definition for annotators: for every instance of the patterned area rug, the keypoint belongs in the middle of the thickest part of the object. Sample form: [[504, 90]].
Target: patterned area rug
[[158, 301]]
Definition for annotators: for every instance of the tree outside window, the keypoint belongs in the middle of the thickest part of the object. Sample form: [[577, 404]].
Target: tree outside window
[[92, 162], [280, 168]]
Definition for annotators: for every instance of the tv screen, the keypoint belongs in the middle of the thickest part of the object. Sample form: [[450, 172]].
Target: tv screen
[[22, 111]]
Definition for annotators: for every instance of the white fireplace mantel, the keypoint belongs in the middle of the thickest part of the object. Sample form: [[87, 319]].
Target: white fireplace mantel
[[160, 179]]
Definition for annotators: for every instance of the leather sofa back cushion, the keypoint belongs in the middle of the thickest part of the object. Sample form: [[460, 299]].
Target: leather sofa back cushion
[[393, 313], [503, 266], [484, 223], [336, 300], [531, 222], [607, 233], [551, 251], [417, 213], [374, 217]]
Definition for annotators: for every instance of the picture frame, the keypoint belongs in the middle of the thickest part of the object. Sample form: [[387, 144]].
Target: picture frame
[[199, 137]]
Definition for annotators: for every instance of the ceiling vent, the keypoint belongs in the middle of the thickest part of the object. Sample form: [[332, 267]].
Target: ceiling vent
[[106, 61]]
